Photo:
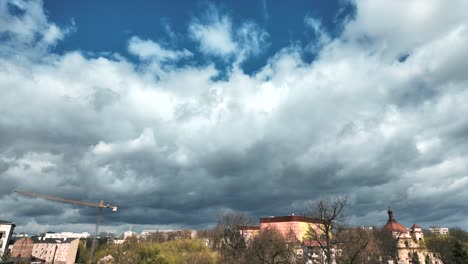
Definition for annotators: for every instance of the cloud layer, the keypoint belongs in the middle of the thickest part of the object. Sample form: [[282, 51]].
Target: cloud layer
[[378, 116]]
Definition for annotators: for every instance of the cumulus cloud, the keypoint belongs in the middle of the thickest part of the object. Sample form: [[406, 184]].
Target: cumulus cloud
[[177, 149], [147, 49], [216, 36], [24, 27]]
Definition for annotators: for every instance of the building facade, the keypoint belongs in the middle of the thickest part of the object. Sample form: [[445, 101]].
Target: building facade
[[47, 250], [6, 231], [22, 248], [58, 251], [296, 227]]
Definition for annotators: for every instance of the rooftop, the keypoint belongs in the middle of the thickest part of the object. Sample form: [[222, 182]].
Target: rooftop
[[2, 222], [249, 227], [289, 218]]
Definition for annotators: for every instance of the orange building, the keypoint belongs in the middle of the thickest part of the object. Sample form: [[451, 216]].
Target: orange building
[[296, 226]]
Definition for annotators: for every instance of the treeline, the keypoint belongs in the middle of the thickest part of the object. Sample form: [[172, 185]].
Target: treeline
[[226, 244], [451, 248], [176, 251]]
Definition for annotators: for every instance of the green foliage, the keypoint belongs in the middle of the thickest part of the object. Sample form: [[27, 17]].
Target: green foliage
[[83, 253], [459, 234], [460, 255], [451, 249], [171, 252]]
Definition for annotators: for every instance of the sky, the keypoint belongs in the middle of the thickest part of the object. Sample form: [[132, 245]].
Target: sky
[[179, 111]]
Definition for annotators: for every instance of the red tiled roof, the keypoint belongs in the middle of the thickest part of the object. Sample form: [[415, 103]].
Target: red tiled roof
[[393, 225]]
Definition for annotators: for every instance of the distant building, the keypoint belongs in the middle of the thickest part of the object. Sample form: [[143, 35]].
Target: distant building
[[169, 234], [409, 241], [437, 230], [16, 235], [249, 232], [6, 231], [62, 235], [129, 234]]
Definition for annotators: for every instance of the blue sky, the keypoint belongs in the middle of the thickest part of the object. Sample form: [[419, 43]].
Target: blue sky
[[168, 23], [179, 111]]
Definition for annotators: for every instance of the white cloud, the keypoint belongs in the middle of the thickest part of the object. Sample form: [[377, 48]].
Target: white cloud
[[147, 49], [399, 26], [31, 28], [145, 140], [215, 37]]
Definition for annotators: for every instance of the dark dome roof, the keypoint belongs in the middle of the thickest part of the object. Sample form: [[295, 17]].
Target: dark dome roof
[[393, 225]]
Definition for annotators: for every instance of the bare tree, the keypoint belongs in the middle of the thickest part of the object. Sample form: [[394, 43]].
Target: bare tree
[[388, 244], [232, 244], [329, 211], [270, 247], [354, 243]]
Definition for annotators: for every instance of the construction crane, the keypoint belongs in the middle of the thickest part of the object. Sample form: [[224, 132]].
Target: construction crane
[[100, 205]]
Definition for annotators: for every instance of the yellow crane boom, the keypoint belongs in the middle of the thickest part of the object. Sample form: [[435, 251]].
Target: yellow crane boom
[[54, 198]]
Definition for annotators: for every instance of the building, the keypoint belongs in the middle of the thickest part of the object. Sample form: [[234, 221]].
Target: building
[[6, 231], [249, 232], [409, 241], [58, 251], [63, 235], [48, 250], [168, 234], [22, 248], [437, 230], [292, 226], [296, 229]]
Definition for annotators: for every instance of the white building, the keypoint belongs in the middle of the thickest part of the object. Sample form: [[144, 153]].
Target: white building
[[443, 231], [62, 235], [6, 230]]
